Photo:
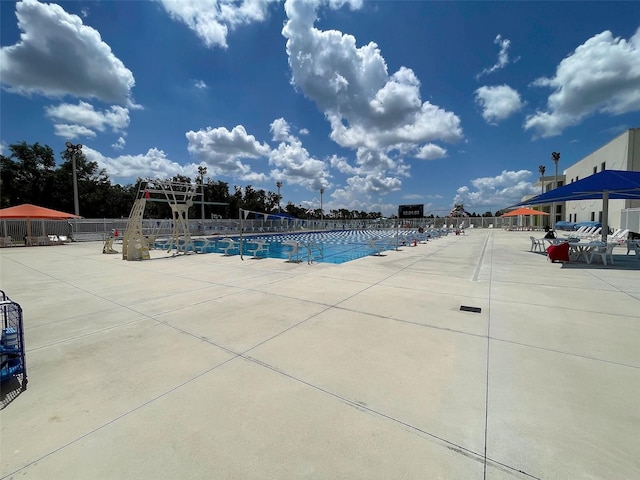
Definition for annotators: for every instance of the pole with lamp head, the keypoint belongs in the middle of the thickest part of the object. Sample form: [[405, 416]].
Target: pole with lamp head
[[542, 169], [202, 171], [74, 150], [279, 185], [555, 156]]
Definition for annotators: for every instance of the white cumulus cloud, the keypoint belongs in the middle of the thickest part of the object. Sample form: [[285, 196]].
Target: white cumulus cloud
[[280, 130], [431, 151], [211, 20], [600, 76], [380, 115], [223, 150], [119, 144], [496, 192], [293, 162], [71, 132], [503, 56], [125, 169], [365, 105], [58, 55], [498, 102], [84, 114]]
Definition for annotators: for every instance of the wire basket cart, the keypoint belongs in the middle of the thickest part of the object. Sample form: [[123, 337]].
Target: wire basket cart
[[12, 350]]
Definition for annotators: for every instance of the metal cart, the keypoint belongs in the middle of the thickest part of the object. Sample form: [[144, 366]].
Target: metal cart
[[12, 349]]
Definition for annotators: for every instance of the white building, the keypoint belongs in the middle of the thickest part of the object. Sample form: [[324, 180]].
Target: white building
[[621, 153]]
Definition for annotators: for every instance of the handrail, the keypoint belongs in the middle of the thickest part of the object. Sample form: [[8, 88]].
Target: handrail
[[310, 246]]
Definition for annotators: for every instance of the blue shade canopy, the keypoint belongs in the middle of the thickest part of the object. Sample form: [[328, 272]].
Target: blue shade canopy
[[619, 184], [279, 216], [606, 185]]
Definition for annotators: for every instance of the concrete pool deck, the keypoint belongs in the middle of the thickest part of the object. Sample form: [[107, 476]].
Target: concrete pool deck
[[204, 366]]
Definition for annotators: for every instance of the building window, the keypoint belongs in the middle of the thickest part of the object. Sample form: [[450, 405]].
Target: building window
[[600, 216], [593, 216], [595, 169], [560, 183], [577, 178], [603, 166]]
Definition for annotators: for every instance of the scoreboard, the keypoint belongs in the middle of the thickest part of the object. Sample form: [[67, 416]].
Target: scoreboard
[[411, 211]]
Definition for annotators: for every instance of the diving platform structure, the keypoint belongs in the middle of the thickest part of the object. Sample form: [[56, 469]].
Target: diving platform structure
[[180, 196]]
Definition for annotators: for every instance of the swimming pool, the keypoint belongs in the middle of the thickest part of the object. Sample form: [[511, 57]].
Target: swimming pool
[[336, 246]]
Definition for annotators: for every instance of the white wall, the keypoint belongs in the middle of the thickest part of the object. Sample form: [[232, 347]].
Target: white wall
[[621, 153]]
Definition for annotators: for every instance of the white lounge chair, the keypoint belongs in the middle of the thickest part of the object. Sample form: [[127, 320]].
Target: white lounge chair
[[576, 233], [6, 241], [618, 236], [592, 232]]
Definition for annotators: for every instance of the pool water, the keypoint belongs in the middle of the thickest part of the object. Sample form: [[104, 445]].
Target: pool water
[[336, 247]]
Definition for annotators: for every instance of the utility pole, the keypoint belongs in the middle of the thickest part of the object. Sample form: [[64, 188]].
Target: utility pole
[[74, 150], [555, 156], [279, 185], [202, 171]]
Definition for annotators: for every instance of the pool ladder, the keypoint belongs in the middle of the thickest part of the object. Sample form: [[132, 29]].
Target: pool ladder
[[312, 247]]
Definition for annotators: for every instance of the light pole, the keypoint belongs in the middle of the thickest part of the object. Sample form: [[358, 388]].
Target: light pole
[[74, 150], [555, 156], [542, 169], [321, 211], [279, 185], [202, 171]]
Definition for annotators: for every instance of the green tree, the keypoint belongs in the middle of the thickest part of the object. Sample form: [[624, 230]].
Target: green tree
[[94, 186], [28, 175], [217, 191]]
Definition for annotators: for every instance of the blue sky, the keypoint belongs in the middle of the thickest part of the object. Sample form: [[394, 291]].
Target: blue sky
[[379, 103]]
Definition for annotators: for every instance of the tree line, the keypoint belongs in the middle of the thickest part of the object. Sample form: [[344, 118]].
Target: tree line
[[30, 174]]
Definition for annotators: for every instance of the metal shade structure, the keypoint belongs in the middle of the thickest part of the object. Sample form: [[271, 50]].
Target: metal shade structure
[[605, 185], [523, 211], [29, 212]]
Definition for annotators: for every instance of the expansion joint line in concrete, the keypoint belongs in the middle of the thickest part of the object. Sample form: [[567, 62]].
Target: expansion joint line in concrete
[[424, 433], [486, 399]]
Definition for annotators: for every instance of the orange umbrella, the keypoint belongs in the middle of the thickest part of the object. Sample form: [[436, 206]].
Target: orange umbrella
[[523, 211]]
